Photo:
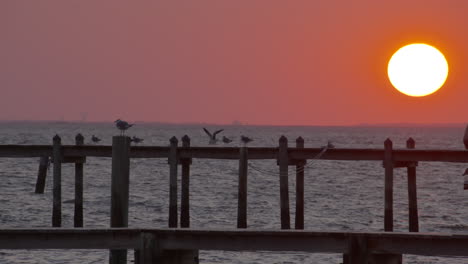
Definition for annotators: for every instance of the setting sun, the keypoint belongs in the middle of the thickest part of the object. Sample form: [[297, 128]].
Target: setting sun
[[417, 69]]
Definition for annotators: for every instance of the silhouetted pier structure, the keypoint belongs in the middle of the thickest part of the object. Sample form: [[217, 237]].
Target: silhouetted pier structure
[[182, 245]]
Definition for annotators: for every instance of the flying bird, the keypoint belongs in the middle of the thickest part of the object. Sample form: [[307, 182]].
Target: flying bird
[[227, 140], [213, 139], [136, 139], [122, 126], [95, 139], [246, 140]]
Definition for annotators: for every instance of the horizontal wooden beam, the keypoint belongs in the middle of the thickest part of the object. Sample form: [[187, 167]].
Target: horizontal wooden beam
[[429, 244], [69, 238], [399, 155], [25, 151]]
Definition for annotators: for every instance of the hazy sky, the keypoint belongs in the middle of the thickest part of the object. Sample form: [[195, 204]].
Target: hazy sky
[[259, 62]]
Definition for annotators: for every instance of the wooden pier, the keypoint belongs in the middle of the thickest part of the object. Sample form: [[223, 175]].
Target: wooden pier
[[169, 245], [154, 245]]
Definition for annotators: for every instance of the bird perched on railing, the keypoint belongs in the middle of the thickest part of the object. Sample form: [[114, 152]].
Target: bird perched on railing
[[136, 139], [122, 126], [213, 139], [245, 139], [95, 139], [226, 140]]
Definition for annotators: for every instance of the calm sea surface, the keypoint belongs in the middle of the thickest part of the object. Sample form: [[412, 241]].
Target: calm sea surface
[[339, 195]]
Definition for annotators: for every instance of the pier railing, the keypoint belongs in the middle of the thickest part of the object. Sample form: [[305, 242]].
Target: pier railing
[[121, 152], [183, 155]]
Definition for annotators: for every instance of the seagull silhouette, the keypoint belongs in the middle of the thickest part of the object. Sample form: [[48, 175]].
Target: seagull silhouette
[[136, 139], [213, 139], [245, 139], [227, 140], [122, 126], [95, 139]]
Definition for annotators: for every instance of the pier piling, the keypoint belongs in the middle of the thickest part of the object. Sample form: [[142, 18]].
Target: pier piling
[[173, 160], [120, 190], [242, 189], [299, 219], [388, 164], [42, 174], [57, 182], [185, 187], [412, 194], [78, 217], [283, 161]]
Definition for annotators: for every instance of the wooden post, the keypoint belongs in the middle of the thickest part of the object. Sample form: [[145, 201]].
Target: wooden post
[[120, 190], [388, 164], [185, 188], [57, 184], [299, 224], [78, 218], [412, 195], [283, 161], [173, 160], [42, 174], [150, 252], [357, 251], [148, 249], [242, 189]]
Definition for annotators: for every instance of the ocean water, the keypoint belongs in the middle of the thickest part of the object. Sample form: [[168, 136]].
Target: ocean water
[[339, 195]]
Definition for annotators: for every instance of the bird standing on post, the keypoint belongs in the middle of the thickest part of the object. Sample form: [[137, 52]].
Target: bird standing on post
[[122, 126]]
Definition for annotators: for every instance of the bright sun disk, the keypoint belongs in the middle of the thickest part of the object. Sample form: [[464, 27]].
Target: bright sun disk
[[417, 69]]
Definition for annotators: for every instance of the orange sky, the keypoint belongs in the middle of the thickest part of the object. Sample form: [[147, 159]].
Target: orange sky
[[259, 62]]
